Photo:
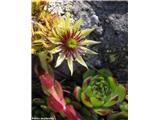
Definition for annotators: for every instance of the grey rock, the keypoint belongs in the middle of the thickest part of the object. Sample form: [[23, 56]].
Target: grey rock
[[119, 22]]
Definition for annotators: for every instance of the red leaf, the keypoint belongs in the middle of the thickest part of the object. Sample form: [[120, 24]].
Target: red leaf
[[55, 104], [71, 113], [58, 89], [46, 80]]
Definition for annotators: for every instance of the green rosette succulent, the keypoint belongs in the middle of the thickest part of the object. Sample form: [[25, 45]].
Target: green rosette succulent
[[100, 91]]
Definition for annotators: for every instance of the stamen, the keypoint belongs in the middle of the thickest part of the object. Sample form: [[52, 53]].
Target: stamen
[[71, 43]]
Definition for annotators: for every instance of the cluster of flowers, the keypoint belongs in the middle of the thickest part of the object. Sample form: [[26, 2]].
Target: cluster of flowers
[[61, 34]]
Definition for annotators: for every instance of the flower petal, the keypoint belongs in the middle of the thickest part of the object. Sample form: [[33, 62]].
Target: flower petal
[[78, 24], [55, 50], [60, 59], [59, 31], [40, 41], [47, 24], [86, 32], [90, 42], [38, 33], [80, 60], [41, 26], [54, 33], [53, 40], [61, 22], [70, 64], [68, 22], [86, 50]]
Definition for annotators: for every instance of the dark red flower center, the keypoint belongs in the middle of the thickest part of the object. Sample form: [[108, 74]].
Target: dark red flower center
[[70, 43]]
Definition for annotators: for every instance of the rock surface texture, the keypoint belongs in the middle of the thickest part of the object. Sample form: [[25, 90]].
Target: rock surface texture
[[110, 20]]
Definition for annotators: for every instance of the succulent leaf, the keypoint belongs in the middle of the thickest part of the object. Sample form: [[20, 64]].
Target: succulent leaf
[[96, 102], [122, 92], [77, 93], [104, 72], [102, 111], [86, 100], [89, 73], [89, 91], [124, 106], [86, 82], [112, 83], [100, 91]]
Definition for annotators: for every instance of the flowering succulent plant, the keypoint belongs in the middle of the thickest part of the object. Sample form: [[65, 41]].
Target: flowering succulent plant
[[100, 91], [65, 37], [70, 42], [41, 29]]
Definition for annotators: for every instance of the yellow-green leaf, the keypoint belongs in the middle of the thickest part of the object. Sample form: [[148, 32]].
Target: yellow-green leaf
[[86, 100], [96, 102]]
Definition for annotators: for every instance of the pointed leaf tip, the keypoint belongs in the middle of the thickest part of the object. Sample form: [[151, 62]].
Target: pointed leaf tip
[[80, 60], [78, 24], [90, 42], [86, 32], [70, 64], [60, 59], [86, 50]]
